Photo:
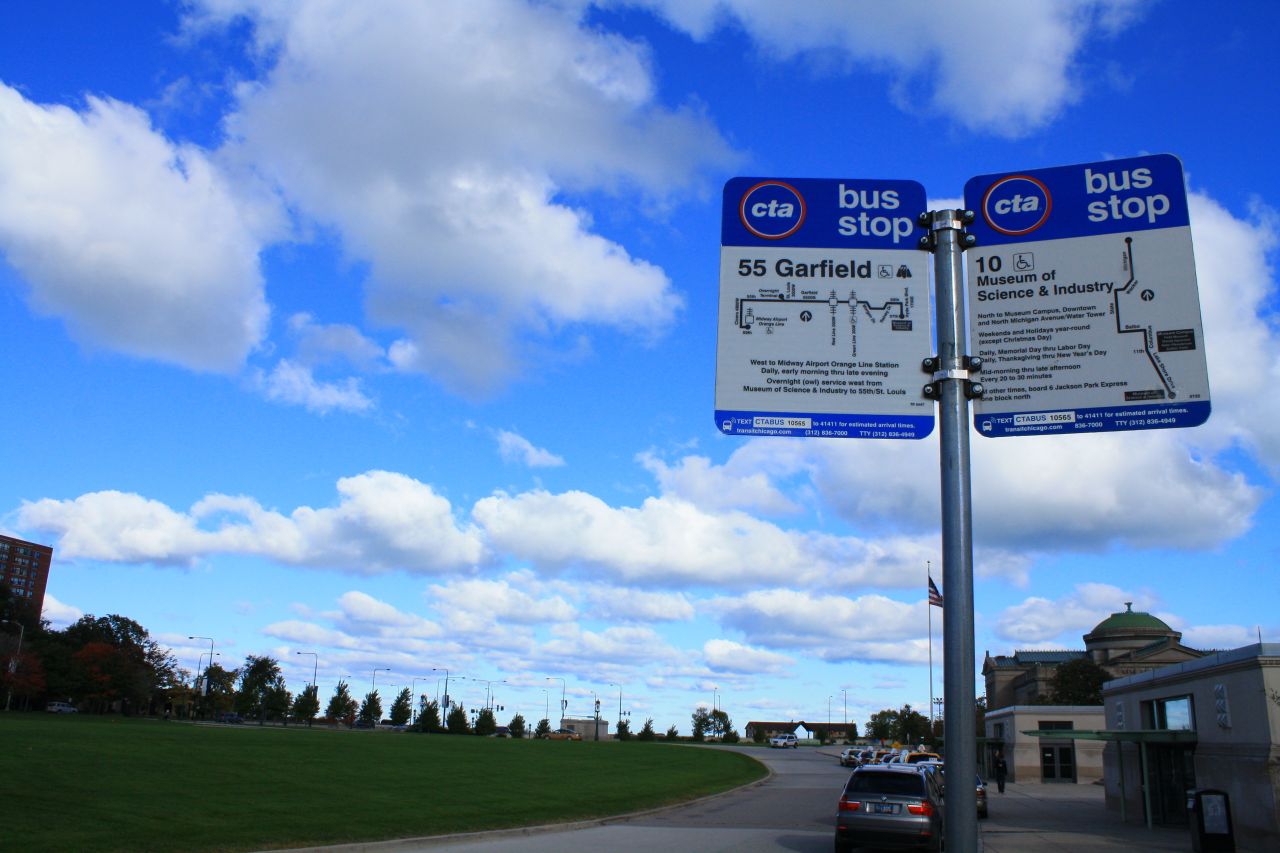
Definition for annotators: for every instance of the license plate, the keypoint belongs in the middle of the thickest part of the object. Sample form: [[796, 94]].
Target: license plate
[[885, 808]]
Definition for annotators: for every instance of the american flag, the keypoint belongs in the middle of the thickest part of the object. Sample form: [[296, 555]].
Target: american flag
[[935, 597]]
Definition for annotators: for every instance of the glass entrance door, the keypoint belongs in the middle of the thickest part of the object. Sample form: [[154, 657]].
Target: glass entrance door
[[1058, 763]]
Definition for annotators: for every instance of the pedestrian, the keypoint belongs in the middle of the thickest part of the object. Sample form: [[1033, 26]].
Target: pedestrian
[[1002, 771]]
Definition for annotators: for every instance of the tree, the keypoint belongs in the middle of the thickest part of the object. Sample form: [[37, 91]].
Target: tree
[[307, 704], [701, 720], [543, 728], [883, 725], [125, 668], [673, 733], [1078, 682], [913, 727], [456, 722], [516, 728], [342, 706], [401, 708], [624, 730], [371, 708], [276, 701], [428, 717], [260, 675], [486, 723], [647, 733], [719, 723]]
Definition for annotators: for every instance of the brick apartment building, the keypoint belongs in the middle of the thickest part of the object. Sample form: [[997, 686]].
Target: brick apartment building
[[24, 568]]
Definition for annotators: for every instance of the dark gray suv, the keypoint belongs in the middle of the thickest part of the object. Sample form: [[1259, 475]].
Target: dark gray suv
[[890, 805]]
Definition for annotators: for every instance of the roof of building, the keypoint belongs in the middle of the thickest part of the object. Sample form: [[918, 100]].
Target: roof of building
[[1129, 620]]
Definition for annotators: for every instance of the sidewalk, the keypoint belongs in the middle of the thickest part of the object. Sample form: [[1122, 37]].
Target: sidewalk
[[1039, 818]]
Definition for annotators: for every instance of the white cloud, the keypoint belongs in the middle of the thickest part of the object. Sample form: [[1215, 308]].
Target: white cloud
[[321, 343], [959, 60], [870, 627], [295, 384], [1040, 620], [611, 603], [476, 605], [383, 521], [136, 243], [728, 656], [738, 484], [463, 124], [59, 615], [516, 448], [667, 540]]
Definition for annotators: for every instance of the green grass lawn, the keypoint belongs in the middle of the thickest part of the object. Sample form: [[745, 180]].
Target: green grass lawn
[[107, 783]]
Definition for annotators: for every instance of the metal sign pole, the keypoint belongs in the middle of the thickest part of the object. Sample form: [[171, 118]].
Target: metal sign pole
[[952, 387]]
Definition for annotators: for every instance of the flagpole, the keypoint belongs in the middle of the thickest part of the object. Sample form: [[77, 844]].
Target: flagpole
[[929, 606]]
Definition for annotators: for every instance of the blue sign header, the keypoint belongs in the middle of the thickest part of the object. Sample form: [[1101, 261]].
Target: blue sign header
[[1110, 197], [822, 213]]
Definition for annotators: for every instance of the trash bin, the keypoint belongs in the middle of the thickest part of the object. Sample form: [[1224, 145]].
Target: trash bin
[[1210, 822]]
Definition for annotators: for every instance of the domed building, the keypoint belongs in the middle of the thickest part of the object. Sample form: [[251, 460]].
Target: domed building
[[1125, 643]]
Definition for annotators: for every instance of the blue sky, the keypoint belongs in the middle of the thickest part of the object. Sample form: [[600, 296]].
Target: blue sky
[[387, 332]]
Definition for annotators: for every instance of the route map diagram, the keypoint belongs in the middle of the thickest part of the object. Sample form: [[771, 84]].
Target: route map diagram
[[1111, 336], [769, 311]]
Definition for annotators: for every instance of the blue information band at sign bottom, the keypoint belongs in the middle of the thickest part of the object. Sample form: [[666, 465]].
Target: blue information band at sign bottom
[[807, 425], [1165, 415]]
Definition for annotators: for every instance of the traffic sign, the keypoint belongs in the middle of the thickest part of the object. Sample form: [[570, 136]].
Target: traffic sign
[[1082, 300], [824, 309]]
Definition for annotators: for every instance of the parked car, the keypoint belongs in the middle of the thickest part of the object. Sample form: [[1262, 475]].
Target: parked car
[[784, 741], [889, 806], [851, 757], [61, 708], [228, 717], [563, 734], [917, 757], [938, 768]]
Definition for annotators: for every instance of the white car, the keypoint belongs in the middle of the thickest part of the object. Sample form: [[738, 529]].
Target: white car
[[61, 708], [784, 741]]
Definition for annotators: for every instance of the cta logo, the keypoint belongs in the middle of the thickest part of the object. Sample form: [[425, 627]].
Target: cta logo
[[1018, 204], [772, 210]]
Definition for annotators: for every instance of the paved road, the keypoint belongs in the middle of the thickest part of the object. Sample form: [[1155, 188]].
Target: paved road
[[794, 810]]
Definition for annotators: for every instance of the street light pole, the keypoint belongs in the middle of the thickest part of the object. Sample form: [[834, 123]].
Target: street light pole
[[445, 706], [14, 661], [373, 683], [209, 665], [562, 702], [315, 669]]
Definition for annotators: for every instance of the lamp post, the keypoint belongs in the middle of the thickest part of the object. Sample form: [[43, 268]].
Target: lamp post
[[619, 686], [845, 695], [14, 661], [715, 699], [373, 682], [562, 701], [315, 669], [445, 706], [413, 693], [209, 665], [546, 706]]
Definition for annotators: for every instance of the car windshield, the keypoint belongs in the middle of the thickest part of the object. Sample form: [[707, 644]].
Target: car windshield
[[904, 784]]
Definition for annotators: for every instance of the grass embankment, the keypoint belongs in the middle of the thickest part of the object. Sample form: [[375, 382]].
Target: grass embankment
[[107, 783]]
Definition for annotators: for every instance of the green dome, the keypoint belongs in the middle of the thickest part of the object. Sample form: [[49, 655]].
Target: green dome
[[1128, 620]]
